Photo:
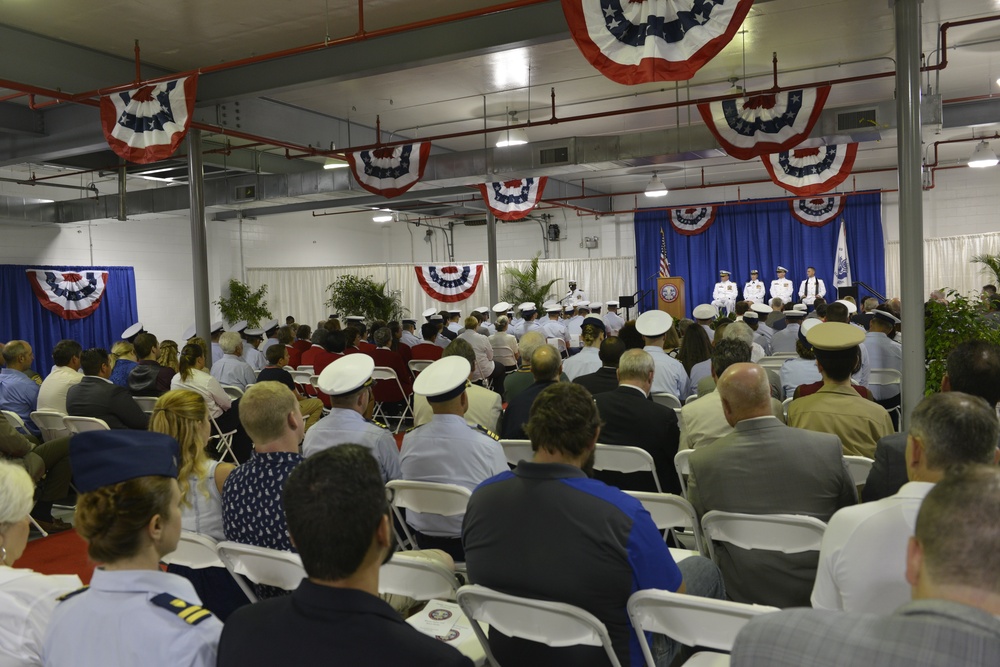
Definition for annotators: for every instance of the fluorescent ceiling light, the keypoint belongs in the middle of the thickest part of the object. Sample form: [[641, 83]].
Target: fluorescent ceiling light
[[983, 156], [514, 137], [655, 187], [332, 163], [384, 215]]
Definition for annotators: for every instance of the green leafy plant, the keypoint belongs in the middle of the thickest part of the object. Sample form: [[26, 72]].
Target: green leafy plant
[[991, 264], [353, 295], [523, 286], [244, 303], [948, 324]]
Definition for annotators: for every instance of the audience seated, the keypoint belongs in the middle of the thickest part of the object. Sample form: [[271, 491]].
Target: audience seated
[[48, 466], [218, 328], [546, 366], [52, 393], [484, 369], [954, 618], [765, 467], [96, 396], [447, 450], [231, 370], [485, 405], [348, 382], [588, 359], [671, 378], [428, 349], [837, 408], [148, 378], [522, 378], [631, 419], [742, 331], [123, 355], [861, 566], [252, 338], [316, 352], [168, 356], [591, 545], [389, 391], [277, 359], [503, 339], [302, 343], [251, 497], [340, 522], [18, 392], [604, 378], [783, 341]]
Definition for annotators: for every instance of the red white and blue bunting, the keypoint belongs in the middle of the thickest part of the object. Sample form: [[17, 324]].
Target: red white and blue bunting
[[147, 124], [71, 296], [765, 123], [817, 211], [449, 283], [390, 172], [513, 200], [634, 42], [811, 171], [691, 221]]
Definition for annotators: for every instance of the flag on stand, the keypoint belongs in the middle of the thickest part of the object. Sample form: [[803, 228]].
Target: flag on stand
[[842, 264], [664, 263]]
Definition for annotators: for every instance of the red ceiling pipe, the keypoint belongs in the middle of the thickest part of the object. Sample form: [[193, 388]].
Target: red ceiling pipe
[[957, 141], [6, 98]]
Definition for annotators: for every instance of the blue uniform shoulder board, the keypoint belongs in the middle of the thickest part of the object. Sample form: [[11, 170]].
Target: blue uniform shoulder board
[[191, 614], [483, 429], [72, 593], [379, 424]]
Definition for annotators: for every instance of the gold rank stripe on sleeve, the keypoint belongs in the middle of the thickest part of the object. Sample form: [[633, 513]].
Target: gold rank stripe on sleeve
[[483, 429], [191, 614], [72, 593]]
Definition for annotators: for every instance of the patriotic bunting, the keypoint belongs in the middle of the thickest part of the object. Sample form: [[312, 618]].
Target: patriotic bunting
[[691, 221], [765, 123], [147, 124], [817, 211], [390, 172], [811, 171], [449, 283], [71, 296], [634, 42], [513, 200]]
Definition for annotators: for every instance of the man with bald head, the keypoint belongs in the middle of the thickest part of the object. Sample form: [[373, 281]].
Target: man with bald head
[[765, 467]]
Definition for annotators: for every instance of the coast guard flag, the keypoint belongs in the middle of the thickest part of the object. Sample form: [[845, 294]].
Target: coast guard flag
[[842, 263], [513, 200], [147, 124], [390, 172]]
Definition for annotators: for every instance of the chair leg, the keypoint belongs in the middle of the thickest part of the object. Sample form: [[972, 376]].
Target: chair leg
[[37, 527]]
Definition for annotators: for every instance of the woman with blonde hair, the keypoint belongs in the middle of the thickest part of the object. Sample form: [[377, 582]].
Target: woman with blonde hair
[[168, 355], [124, 360], [26, 598], [128, 512]]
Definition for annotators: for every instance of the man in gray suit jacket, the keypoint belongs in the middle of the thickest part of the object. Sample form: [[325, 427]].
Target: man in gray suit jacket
[[954, 618], [765, 467], [96, 396]]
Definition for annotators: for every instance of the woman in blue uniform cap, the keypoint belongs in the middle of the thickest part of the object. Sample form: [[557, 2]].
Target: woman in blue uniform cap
[[128, 512]]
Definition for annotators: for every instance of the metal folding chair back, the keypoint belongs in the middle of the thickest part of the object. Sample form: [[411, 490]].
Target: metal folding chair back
[[426, 498], [669, 512], [517, 451], [82, 424], [621, 458], [50, 423], [267, 567]]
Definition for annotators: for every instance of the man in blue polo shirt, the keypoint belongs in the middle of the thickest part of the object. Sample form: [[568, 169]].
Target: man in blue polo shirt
[[548, 531]]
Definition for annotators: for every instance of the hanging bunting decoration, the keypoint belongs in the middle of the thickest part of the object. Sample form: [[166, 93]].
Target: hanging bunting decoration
[[391, 171], [817, 211], [71, 296], [634, 42], [691, 221], [513, 200], [766, 123], [147, 124], [811, 171], [449, 283]]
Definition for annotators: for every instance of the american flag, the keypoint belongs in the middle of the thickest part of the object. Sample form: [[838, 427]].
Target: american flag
[[664, 263]]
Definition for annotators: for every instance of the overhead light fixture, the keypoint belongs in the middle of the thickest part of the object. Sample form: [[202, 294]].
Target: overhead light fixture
[[514, 137], [983, 156], [384, 215], [655, 187], [333, 163]]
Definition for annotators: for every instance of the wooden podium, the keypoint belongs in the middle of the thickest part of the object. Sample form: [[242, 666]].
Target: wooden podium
[[670, 296]]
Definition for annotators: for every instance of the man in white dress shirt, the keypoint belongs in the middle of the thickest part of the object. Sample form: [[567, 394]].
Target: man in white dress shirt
[[52, 393], [781, 287], [753, 291], [670, 376], [811, 287], [724, 295]]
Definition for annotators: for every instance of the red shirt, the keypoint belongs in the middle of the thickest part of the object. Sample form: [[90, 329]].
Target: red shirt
[[427, 351], [309, 356], [294, 356], [322, 359], [386, 390]]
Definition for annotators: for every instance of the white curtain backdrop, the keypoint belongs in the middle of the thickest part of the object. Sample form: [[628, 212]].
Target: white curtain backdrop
[[947, 263], [302, 291]]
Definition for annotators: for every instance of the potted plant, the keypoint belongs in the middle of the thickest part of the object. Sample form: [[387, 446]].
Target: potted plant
[[244, 303], [523, 286], [948, 324], [353, 295]]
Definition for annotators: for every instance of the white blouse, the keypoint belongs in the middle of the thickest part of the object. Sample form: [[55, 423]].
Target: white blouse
[[26, 603], [216, 397]]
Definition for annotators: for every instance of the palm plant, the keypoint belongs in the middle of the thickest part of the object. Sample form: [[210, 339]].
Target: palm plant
[[523, 286], [352, 295], [991, 264]]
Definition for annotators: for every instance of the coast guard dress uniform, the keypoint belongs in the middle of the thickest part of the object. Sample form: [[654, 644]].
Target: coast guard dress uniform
[[669, 375], [724, 295], [781, 287], [613, 322], [753, 291]]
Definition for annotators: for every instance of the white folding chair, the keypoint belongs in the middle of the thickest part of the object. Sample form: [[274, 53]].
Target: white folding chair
[[50, 423], [859, 467], [775, 361], [266, 567], [555, 624], [692, 621], [307, 369], [301, 380], [256, 373], [621, 458], [670, 512], [416, 366], [888, 377], [147, 403], [426, 498], [386, 374], [15, 421], [225, 440], [559, 344], [784, 406], [195, 551], [234, 392], [504, 356], [416, 577], [683, 467], [574, 340], [81, 424], [787, 533], [666, 399], [517, 451], [691, 399]]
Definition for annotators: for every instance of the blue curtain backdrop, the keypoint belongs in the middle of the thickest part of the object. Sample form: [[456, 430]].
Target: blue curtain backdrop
[[760, 236], [23, 318]]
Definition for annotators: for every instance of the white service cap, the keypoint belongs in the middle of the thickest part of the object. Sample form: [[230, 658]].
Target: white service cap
[[443, 380], [346, 375], [654, 323]]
